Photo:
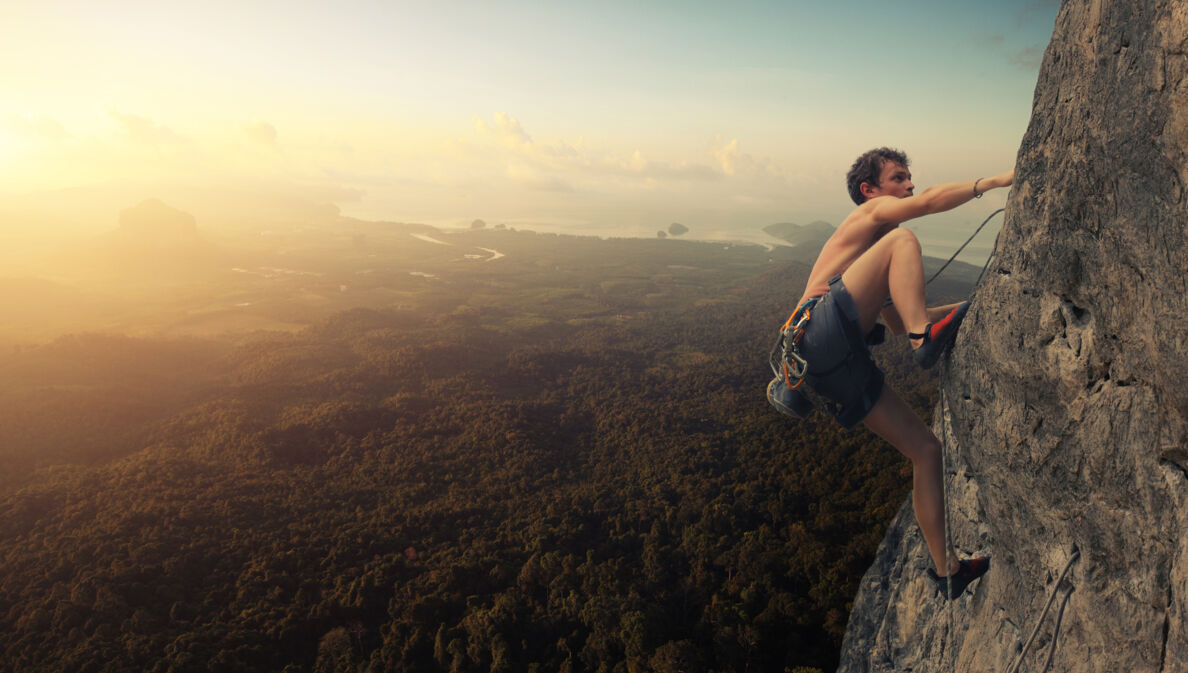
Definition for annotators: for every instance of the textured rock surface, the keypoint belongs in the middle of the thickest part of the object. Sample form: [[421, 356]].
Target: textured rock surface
[[1065, 402]]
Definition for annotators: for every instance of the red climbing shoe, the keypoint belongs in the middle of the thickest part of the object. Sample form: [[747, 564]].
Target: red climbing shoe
[[937, 336], [971, 569]]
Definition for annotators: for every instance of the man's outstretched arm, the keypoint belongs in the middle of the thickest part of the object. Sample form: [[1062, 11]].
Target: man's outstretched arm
[[936, 199]]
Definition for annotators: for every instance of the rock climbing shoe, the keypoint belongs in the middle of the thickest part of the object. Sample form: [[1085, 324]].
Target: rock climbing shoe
[[793, 403], [971, 569], [937, 336]]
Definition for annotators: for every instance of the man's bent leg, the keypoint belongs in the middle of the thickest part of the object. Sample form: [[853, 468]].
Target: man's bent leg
[[893, 420], [891, 267]]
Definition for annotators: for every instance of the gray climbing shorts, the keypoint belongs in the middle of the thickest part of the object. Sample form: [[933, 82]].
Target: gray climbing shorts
[[840, 368]]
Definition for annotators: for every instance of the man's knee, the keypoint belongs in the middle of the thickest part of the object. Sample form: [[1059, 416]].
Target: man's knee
[[928, 449], [904, 238]]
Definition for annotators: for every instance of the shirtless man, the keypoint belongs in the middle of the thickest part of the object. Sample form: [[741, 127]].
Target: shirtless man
[[868, 259]]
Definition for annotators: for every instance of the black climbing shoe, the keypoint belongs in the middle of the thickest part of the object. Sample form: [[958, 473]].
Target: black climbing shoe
[[971, 569], [794, 403], [938, 336]]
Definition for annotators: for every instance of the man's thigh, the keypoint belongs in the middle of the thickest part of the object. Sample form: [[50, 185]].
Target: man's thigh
[[867, 277]]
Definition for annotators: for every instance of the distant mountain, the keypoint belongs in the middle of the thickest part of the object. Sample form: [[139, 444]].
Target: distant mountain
[[154, 221], [155, 236], [814, 232], [152, 239]]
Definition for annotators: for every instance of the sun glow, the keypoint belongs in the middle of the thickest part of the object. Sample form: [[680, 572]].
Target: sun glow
[[400, 111]]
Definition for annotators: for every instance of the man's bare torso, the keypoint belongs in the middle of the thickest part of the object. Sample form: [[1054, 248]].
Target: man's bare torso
[[853, 237]]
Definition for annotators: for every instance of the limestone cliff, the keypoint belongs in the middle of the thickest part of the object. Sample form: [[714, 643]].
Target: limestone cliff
[[1065, 400]]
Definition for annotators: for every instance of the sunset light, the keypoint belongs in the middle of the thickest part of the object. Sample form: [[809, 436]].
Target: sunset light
[[602, 118], [630, 336]]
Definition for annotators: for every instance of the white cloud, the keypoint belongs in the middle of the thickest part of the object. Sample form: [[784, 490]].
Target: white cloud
[[576, 166], [732, 161], [37, 127], [143, 129], [637, 165], [262, 133], [528, 177], [505, 130]]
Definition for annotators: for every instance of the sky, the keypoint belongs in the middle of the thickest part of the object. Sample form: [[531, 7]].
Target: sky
[[613, 117]]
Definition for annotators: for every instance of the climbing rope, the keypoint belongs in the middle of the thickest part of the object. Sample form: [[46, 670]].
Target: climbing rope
[[944, 414], [945, 442], [967, 241], [1076, 554], [993, 252], [945, 495]]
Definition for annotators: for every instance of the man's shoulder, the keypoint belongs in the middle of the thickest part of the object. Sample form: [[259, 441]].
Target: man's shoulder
[[867, 214], [862, 226], [863, 214]]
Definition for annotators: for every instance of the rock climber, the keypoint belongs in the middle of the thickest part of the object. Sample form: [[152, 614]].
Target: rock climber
[[869, 268]]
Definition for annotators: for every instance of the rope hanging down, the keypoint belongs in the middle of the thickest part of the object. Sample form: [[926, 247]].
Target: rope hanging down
[[967, 241], [1076, 554], [945, 495]]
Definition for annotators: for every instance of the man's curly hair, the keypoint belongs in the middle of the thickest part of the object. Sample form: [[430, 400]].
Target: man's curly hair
[[867, 169]]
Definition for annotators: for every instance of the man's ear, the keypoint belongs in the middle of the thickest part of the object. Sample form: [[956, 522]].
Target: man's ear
[[867, 189]]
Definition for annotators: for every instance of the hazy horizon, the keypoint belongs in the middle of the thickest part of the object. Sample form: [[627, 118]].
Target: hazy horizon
[[617, 118]]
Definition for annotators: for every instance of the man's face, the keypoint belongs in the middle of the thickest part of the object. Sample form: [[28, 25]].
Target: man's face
[[894, 180]]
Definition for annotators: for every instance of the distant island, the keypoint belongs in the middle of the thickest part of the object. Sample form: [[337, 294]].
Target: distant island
[[797, 234]]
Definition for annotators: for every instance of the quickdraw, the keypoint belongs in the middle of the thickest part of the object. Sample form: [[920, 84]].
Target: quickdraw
[[785, 359]]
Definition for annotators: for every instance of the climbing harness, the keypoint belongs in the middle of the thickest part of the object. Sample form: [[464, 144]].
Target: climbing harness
[[785, 359]]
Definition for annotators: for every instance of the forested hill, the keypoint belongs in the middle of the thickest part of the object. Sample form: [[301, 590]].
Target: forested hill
[[556, 461]]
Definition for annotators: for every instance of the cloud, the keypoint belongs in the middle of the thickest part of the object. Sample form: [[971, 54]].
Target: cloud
[[637, 165], [1028, 58], [142, 129], [732, 161], [505, 130], [524, 162], [528, 177], [262, 133], [37, 127]]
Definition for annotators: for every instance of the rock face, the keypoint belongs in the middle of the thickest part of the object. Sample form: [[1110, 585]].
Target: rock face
[[1064, 406]]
